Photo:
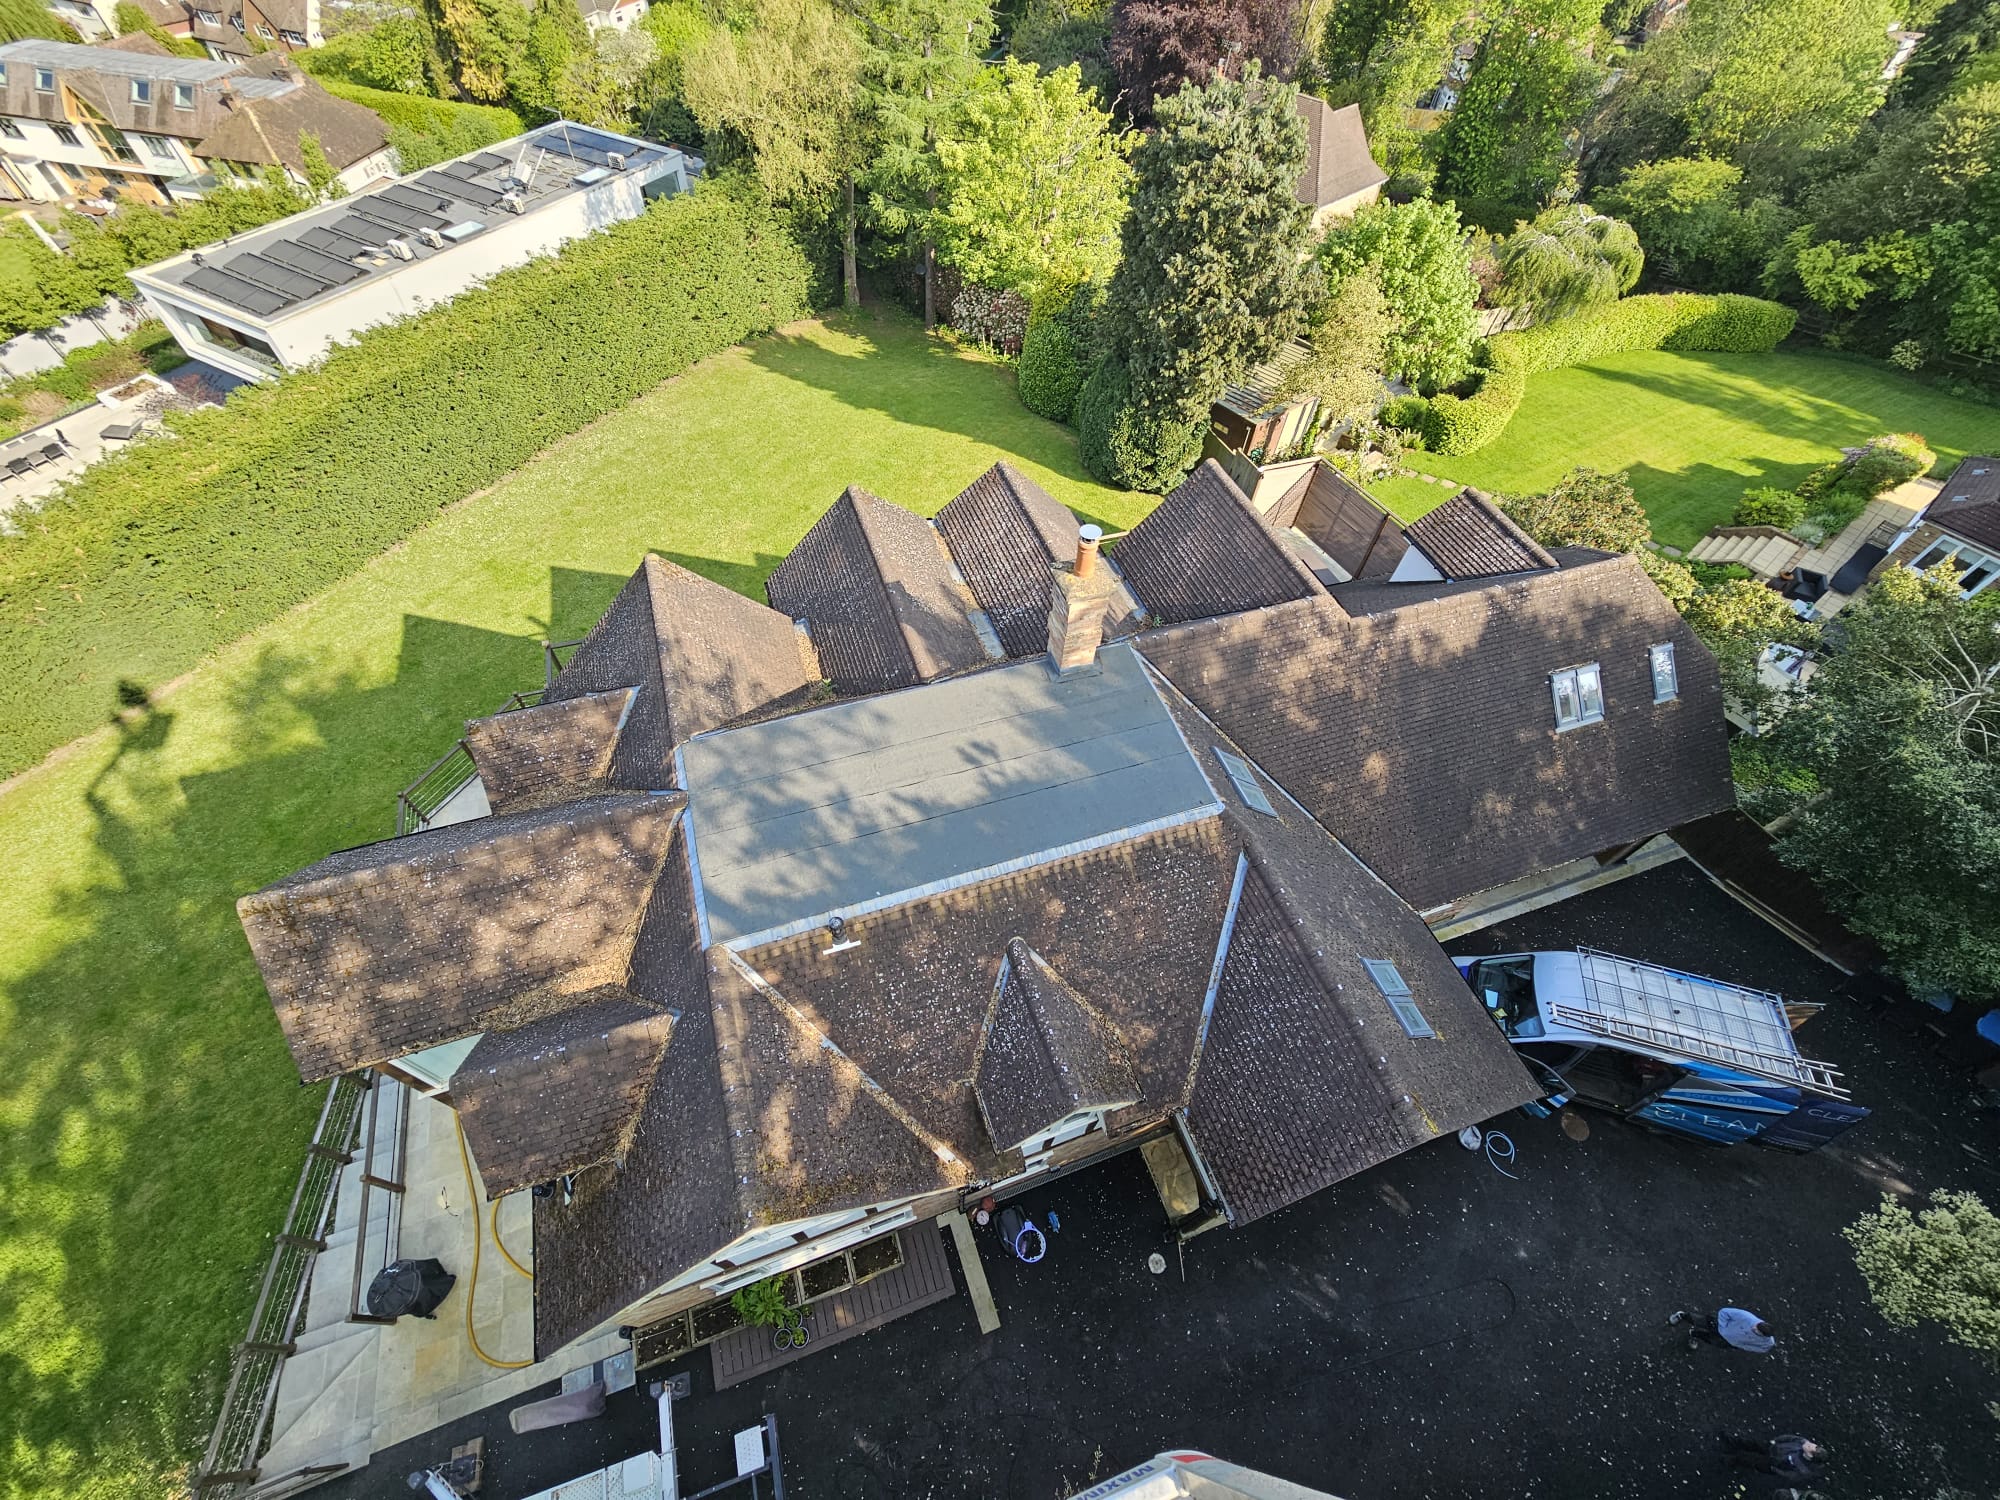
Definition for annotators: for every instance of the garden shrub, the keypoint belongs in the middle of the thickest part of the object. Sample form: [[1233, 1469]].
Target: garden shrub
[[992, 316], [160, 554], [426, 131], [1405, 413], [1769, 506], [1119, 444], [1889, 460], [1680, 321], [1056, 354]]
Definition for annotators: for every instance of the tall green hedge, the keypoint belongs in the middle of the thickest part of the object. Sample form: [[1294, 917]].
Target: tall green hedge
[[159, 555], [1673, 320], [426, 131]]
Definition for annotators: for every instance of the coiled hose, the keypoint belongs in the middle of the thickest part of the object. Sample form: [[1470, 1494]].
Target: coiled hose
[[472, 1288]]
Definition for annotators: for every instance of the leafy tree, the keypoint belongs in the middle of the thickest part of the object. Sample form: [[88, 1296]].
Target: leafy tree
[[1939, 1265], [483, 44], [1159, 45], [1900, 728], [1570, 259], [400, 54], [1694, 223], [1756, 82], [923, 62], [27, 20], [1965, 32], [1214, 275], [1053, 34], [1418, 253], [784, 98], [1034, 183], [1349, 337], [602, 81], [556, 38], [322, 177], [1584, 509], [676, 28], [1506, 144], [1383, 54], [1914, 168]]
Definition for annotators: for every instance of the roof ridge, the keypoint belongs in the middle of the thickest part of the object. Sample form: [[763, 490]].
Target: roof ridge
[[852, 497]]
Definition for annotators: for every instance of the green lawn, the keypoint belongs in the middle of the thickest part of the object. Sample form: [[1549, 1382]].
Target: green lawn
[[151, 1124], [1695, 430]]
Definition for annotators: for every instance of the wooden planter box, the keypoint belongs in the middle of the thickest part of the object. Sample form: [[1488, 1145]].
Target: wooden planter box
[[714, 1320], [824, 1278], [877, 1256]]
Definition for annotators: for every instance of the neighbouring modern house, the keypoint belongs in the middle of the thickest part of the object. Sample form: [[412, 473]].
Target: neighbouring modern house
[[979, 854], [612, 15], [1341, 175], [280, 296], [126, 120], [1960, 528]]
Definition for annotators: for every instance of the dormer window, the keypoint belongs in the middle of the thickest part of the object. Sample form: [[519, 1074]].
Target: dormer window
[[209, 17], [237, 22], [183, 96], [142, 91], [45, 80], [1666, 679], [266, 32], [1245, 781], [1579, 696]]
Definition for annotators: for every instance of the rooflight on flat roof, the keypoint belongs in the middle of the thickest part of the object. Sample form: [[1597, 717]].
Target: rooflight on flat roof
[[589, 175], [462, 231]]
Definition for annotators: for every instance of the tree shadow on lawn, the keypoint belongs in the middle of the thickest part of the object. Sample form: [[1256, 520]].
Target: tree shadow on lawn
[[154, 1122], [1682, 504]]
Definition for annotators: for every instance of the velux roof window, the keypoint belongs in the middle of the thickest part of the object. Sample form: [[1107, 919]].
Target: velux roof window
[[1389, 980], [1666, 678], [1579, 696], [1245, 781]]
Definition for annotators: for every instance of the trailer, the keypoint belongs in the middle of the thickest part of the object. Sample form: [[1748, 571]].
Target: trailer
[[1679, 1051]]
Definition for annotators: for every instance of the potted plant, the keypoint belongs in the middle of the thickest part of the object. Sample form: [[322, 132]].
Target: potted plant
[[768, 1304]]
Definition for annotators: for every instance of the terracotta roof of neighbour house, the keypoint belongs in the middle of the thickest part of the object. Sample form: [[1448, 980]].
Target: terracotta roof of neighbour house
[[268, 131], [1969, 504], [553, 751], [559, 1094], [1204, 551], [1425, 735], [382, 950], [1044, 1053], [1339, 163], [874, 585], [1006, 533], [701, 656], [1470, 537]]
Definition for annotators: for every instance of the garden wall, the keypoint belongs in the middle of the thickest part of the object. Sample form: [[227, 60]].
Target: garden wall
[[157, 556], [1684, 321]]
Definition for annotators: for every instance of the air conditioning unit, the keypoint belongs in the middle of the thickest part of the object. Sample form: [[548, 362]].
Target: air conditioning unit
[[400, 249], [431, 237], [514, 203], [617, 160]]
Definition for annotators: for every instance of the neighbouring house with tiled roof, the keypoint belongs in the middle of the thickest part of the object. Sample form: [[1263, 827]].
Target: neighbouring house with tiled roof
[[1960, 528], [789, 927], [1341, 176]]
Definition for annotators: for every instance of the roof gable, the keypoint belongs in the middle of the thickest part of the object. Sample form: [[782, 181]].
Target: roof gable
[[1470, 537], [556, 750], [268, 130], [1006, 533], [1204, 551], [1339, 163], [1044, 1053]]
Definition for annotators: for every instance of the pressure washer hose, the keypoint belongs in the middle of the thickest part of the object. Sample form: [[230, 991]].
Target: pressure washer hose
[[472, 1287]]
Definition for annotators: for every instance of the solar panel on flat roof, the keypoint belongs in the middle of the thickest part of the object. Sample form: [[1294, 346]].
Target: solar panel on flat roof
[[459, 170], [330, 268], [293, 286], [486, 161], [409, 197], [397, 217], [234, 291], [478, 195], [364, 233]]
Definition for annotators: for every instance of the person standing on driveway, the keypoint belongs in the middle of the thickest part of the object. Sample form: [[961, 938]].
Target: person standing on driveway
[[1792, 1458], [1734, 1326]]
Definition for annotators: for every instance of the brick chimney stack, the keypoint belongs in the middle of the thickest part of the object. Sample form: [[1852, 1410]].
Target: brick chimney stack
[[1077, 605]]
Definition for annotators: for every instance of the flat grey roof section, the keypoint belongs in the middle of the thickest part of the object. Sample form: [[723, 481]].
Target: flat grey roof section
[[838, 810]]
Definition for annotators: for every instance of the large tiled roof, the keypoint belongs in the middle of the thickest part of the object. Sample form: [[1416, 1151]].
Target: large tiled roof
[[385, 949], [268, 131], [1969, 503], [559, 750], [1006, 533], [701, 656], [559, 1094], [1338, 161], [1044, 1053], [874, 586], [1203, 551], [1470, 537], [1425, 736]]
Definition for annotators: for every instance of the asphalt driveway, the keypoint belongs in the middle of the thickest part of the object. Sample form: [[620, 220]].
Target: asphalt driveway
[[1431, 1329]]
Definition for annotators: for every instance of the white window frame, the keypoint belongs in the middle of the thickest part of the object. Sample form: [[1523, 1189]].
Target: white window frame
[[183, 96], [1665, 671], [266, 32], [45, 80], [142, 91], [209, 17], [1396, 990], [1963, 557], [10, 130], [157, 146], [1244, 779], [1583, 686], [65, 134]]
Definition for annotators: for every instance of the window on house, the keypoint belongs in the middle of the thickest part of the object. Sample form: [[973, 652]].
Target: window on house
[[266, 32], [45, 80], [3, 72], [10, 130], [66, 135], [183, 96], [236, 21], [1579, 696], [1975, 569], [1389, 980], [142, 91], [1666, 681], [157, 147], [292, 38], [209, 17], [1245, 781]]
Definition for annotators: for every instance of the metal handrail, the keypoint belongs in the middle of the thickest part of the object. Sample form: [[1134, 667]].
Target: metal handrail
[[230, 1460], [445, 777], [392, 1220]]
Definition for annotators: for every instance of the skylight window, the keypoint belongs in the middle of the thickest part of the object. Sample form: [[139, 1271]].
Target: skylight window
[[1579, 696], [1245, 781], [1666, 679], [1389, 980]]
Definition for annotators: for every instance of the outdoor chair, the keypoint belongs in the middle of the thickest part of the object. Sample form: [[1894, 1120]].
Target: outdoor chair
[[17, 467], [52, 453], [122, 432]]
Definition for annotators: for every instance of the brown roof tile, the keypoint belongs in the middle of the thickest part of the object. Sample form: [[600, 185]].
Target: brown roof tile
[[1338, 161], [1424, 737], [874, 585], [559, 750], [1006, 533], [1470, 537], [1204, 551], [1044, 1053], [385, 949], [267, 131], [1969, 504], [559, 1094]]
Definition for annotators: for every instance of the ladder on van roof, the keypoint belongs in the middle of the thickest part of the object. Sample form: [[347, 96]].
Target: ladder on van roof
[[1734, 1026]]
